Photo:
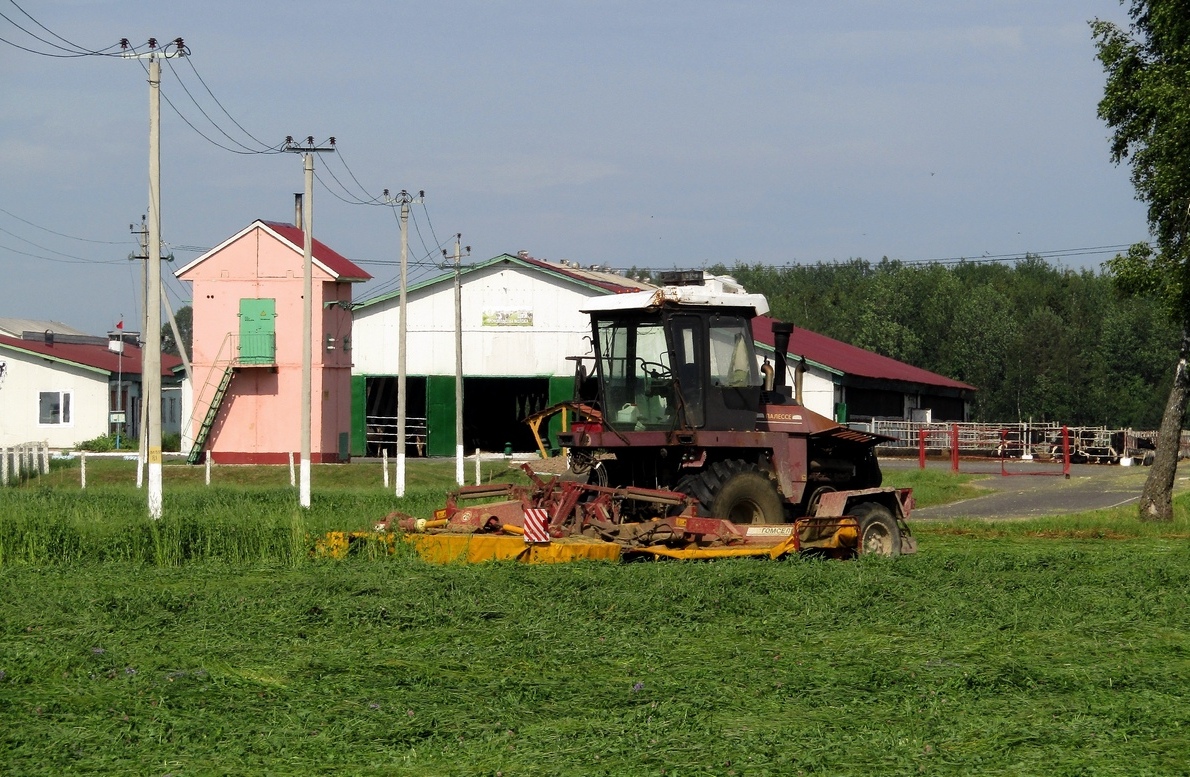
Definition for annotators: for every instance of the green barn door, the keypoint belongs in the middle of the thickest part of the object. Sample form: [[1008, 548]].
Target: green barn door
[[258, 336], [440, 415]]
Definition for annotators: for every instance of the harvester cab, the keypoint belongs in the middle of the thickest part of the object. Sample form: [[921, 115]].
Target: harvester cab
[[678, 365]]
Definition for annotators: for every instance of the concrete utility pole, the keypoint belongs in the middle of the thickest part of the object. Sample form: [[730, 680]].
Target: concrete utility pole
[[142, 451], [458, 359], [307, 153], [403, 199], [151, 377]]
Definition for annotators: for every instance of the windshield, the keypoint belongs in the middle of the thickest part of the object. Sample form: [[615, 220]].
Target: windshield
[[733, 362], [635, 365]]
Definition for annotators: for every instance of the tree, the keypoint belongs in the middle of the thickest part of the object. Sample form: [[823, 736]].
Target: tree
[[1146, 103], [185, 321]]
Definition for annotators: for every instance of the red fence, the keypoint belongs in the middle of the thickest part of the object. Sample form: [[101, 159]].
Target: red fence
[[1027, 442]]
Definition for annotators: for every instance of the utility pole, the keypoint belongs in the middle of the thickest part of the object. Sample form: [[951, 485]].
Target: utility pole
[[403, 199], [142, 444], [458, 358], [308, 151], [142, 428], [151, 371]]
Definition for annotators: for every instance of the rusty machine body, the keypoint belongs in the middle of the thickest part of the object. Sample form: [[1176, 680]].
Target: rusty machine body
[[685, 407], [680, 445]]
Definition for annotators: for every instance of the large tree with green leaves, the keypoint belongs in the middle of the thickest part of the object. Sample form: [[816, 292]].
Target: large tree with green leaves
[[1146, 103]]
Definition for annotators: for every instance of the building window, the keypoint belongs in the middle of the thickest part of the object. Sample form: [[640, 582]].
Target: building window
[[54, 408]]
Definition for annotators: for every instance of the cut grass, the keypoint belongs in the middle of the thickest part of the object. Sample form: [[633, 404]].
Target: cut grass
[[211, 643], [1013, 658]]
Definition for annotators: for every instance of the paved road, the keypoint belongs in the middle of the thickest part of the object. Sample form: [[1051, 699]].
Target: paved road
[[1090, 487]]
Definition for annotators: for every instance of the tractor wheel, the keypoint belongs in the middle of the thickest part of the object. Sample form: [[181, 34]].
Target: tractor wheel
[[736, 491], [878, 530]]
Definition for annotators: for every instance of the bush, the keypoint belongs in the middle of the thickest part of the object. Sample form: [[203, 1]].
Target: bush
[[101, 444], [171, 442]]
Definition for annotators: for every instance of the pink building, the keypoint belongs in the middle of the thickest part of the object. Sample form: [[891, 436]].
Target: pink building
[[247, 352]]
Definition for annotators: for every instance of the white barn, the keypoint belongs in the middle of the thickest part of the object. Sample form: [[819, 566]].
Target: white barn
[[521, 319]]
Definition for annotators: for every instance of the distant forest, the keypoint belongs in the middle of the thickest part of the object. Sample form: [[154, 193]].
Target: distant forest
[[1039, 341]]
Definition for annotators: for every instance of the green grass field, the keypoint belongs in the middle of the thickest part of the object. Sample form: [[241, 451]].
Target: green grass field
[[211, 643]]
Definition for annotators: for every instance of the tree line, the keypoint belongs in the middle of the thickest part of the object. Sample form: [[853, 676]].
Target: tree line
[[1040, 341]]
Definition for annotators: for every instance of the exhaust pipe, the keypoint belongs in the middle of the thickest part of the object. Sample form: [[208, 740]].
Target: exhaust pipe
[[781, 333]]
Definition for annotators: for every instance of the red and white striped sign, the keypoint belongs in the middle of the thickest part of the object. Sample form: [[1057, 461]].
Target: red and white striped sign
[[537, 521]]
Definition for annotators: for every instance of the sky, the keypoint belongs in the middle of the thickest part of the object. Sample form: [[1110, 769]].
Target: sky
[[646, 133]]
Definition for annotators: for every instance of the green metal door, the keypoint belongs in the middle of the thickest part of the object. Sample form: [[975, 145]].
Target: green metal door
[[258, 336], [440, 415], [561, 390], [359, 415]]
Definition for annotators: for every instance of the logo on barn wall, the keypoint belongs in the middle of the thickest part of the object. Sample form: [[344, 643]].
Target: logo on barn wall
[[508, 318]]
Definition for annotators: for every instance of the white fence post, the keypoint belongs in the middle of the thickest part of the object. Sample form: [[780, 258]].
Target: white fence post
[[384, 466], [83, 470], [3, 465], [478, 476], [292, 481], [208, 466]]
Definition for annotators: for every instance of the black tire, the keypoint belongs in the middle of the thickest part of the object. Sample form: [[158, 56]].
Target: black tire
[[736, 491], [878, 531]]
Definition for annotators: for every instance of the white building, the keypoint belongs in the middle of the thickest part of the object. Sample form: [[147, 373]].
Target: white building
[[67, 389], [521, 319]]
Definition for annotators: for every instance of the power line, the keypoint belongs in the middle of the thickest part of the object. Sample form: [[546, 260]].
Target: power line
[[243, 150], [206, 116], [71, 50], [68, 260], [75, 50], [369, 197], [190, 62], [62, 234], [74, 259]]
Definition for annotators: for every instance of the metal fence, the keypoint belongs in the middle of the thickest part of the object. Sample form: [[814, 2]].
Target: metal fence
[[382, 434], [1093, 444]]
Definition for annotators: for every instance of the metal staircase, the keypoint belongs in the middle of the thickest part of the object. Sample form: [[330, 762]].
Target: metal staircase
[[208, 421], [218, 378]]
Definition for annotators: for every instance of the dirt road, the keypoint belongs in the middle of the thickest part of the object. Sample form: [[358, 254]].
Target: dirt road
[[1090, 487]]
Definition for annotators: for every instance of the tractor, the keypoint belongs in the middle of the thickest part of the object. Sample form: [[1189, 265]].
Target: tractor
[[677, 400], [680, 443]]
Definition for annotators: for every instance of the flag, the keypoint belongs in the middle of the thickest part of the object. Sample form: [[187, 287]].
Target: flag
[[120, 325]]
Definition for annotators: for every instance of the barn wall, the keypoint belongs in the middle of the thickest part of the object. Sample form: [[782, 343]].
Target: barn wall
[[516, 321]]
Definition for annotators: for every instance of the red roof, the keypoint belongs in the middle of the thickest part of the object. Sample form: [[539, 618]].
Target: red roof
[[97, 355], [850, 359], [339, 265]]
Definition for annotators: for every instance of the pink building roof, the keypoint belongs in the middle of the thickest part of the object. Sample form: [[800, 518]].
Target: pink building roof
[[335, 264], [96, 356], [850, 359]]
